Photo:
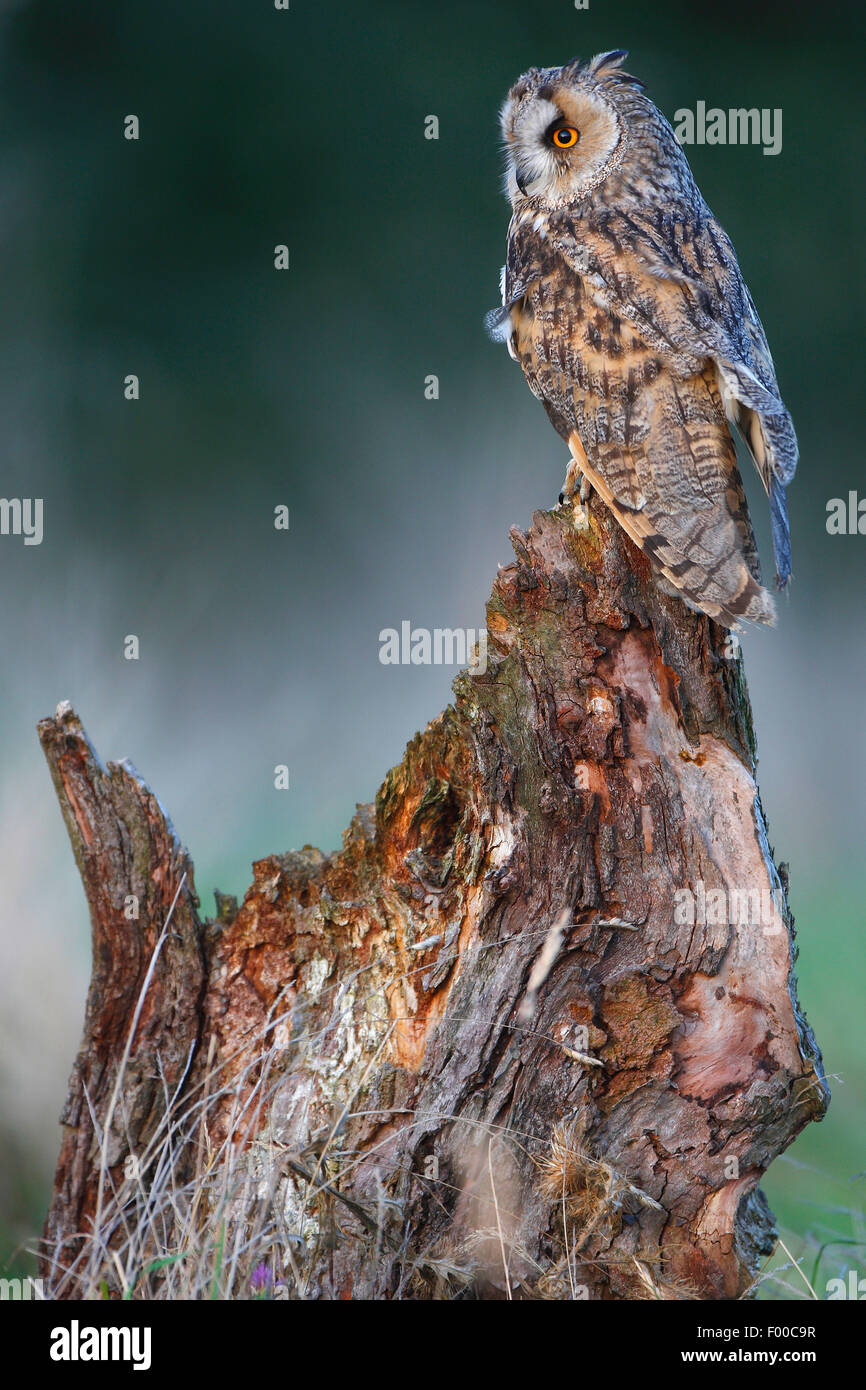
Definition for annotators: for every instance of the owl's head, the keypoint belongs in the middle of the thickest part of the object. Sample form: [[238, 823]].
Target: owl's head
[[567, 129]]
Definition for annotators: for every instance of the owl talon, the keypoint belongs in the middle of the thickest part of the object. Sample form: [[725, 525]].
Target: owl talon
[[568, 495], [569, 487]]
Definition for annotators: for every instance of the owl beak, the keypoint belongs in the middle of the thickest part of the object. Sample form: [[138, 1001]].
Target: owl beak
[[520, 180]]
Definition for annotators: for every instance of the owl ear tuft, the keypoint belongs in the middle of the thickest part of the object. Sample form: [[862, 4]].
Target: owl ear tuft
[[614, 59], [609, 65]]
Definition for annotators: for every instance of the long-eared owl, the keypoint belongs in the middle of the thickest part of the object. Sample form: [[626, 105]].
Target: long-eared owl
[[624, 304]]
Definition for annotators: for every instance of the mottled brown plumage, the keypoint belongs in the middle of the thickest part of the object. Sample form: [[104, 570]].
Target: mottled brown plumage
[[624, 304]]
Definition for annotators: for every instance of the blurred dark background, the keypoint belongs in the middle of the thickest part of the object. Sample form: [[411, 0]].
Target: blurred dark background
[[306, 388]]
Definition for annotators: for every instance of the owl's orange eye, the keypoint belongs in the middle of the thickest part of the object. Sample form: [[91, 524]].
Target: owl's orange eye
[[564, 136]]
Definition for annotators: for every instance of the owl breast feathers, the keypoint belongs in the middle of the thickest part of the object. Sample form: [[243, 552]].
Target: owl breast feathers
[[624, 304]]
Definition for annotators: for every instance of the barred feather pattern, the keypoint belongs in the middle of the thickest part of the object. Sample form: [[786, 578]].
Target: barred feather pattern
[[624, 304]]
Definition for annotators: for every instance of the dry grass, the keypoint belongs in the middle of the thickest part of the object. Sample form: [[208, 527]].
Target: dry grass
[[254, 1219], [592, 1195]]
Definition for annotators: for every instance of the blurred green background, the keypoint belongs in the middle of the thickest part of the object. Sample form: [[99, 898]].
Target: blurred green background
[[306, 388]]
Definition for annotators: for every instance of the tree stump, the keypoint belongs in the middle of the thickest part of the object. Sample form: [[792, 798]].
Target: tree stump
[[519, 1038]]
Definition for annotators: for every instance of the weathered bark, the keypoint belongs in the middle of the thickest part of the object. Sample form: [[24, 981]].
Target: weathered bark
[[136, 877], [476, 1052]]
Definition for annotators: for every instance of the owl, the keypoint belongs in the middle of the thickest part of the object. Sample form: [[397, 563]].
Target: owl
[[623, 302]]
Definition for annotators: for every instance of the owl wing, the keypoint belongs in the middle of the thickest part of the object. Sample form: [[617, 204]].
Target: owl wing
[[637, 394], [673, 274]]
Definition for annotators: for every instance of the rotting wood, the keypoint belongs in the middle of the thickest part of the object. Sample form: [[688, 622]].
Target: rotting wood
[[421, 1109]]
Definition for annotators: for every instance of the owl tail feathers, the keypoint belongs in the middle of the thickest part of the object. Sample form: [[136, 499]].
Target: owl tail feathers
[[726, 593], [751, 602]]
